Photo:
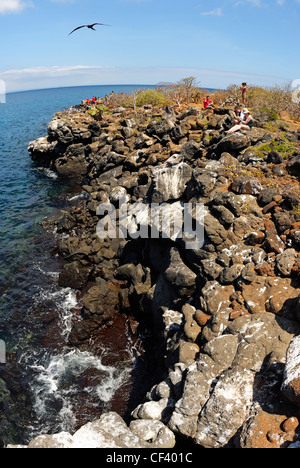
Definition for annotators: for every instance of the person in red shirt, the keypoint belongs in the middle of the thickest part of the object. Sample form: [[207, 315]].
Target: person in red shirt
[[94, 100], [88, 102], [208, 104]]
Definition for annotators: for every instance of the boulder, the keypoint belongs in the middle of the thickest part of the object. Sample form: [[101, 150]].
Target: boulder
[[291, 382], [248, 185], [226, 408], [75, 275], [110, 431], [43, 151], [73, 164], [191, 150], [182, 279], [233, 143], [269, 294], [101, 302], [170, 182], [216, 297], [293, 165]]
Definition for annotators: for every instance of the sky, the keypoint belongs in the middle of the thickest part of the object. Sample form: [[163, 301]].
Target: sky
[[219, 42]]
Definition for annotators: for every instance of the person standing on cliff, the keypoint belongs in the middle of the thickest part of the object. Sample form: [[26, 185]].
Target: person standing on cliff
[[244, 91]]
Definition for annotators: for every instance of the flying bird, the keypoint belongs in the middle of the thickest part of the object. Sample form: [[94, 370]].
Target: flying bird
[[90, 26]]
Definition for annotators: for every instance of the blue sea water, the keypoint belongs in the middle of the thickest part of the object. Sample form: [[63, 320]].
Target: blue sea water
[[28, 274]]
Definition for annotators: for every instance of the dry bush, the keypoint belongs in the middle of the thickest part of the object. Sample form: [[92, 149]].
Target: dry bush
[[184, 92]]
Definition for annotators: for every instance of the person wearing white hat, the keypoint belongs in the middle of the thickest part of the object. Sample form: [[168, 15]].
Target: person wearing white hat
[[246, 124]]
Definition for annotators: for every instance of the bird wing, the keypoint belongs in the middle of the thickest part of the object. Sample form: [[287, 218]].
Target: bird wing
[[100, 24], [79, 27]]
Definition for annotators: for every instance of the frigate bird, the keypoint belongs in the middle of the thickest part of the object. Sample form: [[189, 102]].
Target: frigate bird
[[90, 26]]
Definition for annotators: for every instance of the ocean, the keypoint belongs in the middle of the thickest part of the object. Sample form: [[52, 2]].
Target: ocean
[[39, 382]]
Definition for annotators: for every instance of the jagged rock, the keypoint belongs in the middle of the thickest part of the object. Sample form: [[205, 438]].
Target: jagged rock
[[232, 143], [230, 274], [75, 275], [214, 230], [154, 431], [272, 242], [274, 158], [294, 165], [247, 185], [195, 394], [234, 393], [179, 275], [160, 128], [68, 129], [235, 203], [73, 164], [200, 184], [170, 182], [216, 297], [285, 261], [43, 150], [101, 301], [191, 150], [267, 196], [191, 327], [265, 430], [291, 382], [110, 431], [269, 294]]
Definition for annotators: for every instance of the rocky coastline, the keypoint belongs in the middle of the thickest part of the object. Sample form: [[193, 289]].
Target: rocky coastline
[[224, 313]]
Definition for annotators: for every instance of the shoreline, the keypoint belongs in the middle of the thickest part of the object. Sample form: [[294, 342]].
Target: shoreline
[[189, 297]]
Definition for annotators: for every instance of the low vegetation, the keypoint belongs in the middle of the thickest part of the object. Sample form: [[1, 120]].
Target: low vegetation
[[269, 105]]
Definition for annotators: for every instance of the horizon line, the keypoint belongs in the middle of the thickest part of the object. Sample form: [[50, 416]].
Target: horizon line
[[92, 86]]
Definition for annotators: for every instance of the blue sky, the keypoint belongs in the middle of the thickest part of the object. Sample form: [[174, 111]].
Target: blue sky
[[148, 41]]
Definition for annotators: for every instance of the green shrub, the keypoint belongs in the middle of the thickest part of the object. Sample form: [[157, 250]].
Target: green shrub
[[270, 113], [282, 146], [151, 96]]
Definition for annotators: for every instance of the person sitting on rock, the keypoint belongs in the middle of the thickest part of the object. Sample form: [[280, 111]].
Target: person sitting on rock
[[208, 104], [239, 111], [245, 124]]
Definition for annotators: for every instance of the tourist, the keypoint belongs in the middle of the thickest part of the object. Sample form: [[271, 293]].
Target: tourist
[[246, 124], [208, 104], [87, 102], [239, 111], [94, 100], [244, 91]]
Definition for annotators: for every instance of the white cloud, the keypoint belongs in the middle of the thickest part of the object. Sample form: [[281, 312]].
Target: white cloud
[[215, 12], [41, 72], [80, 75], [13, 6]]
